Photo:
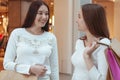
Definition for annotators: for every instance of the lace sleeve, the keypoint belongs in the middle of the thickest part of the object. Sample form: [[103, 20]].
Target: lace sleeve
[[10, 52], [54, 61]]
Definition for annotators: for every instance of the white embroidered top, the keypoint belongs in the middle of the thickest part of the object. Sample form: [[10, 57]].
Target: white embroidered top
[[26, 49], [98, 71]]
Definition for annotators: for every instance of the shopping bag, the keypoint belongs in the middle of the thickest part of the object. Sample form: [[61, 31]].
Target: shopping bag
[[113, 58], [12, 75]]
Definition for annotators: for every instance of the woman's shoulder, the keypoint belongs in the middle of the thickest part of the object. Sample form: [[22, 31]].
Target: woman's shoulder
[[50, 37], [18, 30], [49, 34], [105, 41]]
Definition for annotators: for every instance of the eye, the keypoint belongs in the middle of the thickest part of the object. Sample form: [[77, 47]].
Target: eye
[[40, 13], [46, 13]]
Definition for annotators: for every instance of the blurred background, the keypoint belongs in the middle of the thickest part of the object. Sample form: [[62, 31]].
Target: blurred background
[[63, 15]]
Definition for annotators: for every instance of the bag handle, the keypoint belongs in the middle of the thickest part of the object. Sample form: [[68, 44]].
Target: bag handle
[[103, 44]]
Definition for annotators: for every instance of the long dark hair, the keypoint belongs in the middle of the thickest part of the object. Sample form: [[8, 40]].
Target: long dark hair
[[95, 19], [31, 14]]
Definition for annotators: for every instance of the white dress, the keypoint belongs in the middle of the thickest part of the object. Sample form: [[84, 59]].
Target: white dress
[[26, 49], [98, 71]]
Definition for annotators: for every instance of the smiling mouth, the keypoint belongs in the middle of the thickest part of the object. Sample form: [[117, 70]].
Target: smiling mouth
[[43, 22]]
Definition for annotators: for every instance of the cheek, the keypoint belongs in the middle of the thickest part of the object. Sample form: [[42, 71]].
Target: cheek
[[47, 17], [36, 19], [81, 25]]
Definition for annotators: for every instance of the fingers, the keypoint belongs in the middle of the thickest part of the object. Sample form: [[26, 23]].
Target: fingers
[[95, 45], [42, 70], [38, 70]]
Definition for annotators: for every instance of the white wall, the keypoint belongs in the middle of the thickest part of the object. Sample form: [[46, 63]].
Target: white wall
[[85, 1], [117, 19], [63, 32], [76, 33]]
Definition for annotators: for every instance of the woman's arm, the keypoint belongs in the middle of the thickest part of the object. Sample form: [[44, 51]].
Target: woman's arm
[[54, 61], [98, 71], [10, 55]]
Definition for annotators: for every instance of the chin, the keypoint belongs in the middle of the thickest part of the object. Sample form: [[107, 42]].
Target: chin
[[41, 25]]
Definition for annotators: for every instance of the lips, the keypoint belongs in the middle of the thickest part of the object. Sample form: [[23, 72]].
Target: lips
[[43, 22]]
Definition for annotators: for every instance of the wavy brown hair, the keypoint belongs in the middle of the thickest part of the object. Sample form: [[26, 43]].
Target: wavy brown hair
[[95, 19]]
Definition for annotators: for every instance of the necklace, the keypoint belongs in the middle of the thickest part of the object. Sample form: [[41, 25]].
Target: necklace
[[36, 45], [34, 42], [35, 51]]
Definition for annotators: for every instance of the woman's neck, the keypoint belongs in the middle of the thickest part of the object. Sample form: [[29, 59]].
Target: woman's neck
[[35, 31], [90, 38]]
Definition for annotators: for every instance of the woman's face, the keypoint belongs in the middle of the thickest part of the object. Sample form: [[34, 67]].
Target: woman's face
[[41, 16], [80, 21]]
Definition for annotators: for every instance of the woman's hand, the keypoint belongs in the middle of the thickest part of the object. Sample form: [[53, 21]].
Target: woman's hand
[[87, 54], [38, 70], [89, 49]]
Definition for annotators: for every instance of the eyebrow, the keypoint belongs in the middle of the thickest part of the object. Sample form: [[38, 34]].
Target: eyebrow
[[42, 11]]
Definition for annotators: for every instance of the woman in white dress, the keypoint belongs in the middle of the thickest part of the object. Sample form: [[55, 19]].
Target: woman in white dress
[[32, 49], [89, 59]]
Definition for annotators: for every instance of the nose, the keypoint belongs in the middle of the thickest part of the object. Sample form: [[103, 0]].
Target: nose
[[44, 16]]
